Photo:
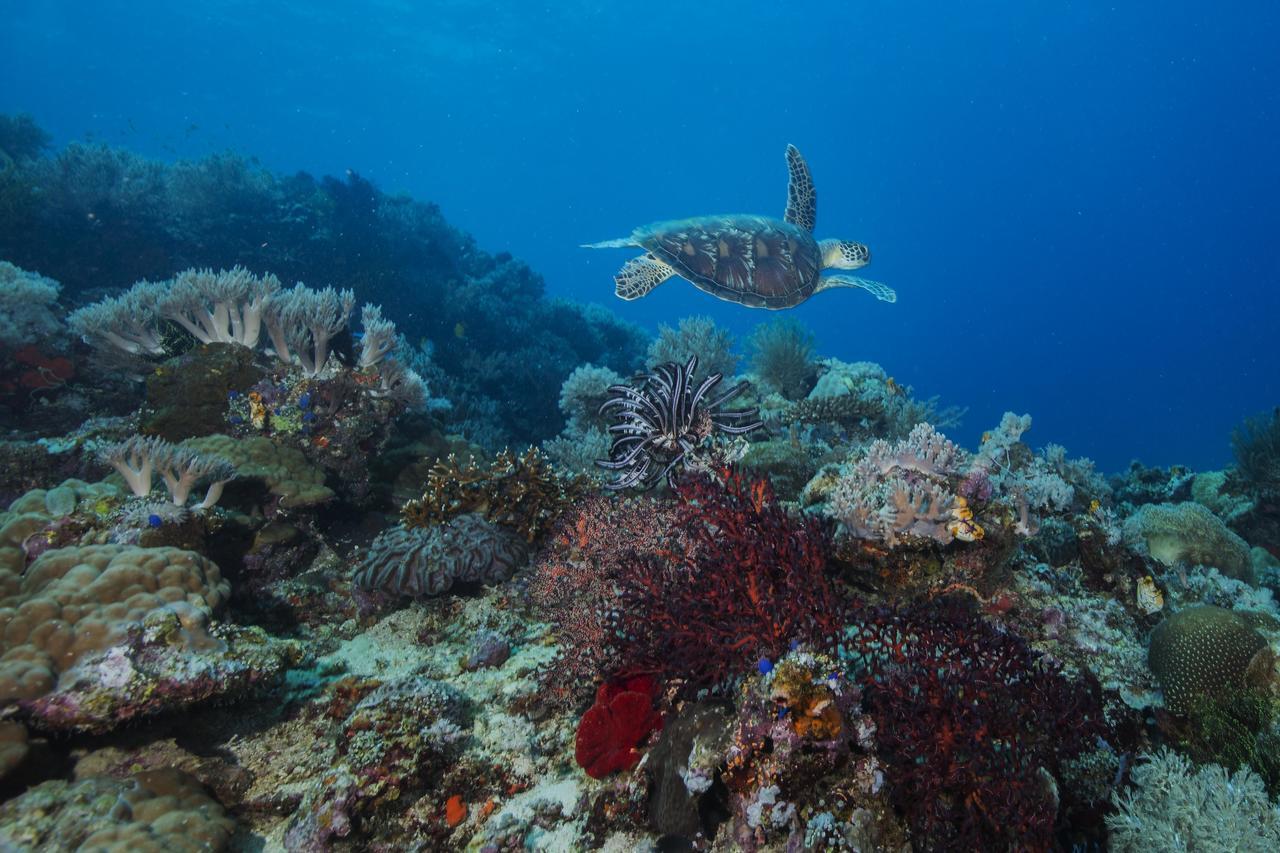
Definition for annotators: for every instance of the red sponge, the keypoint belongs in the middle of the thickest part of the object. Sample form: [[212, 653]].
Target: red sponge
[[620, 720]]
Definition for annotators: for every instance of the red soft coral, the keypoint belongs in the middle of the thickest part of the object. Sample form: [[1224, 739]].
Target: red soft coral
[[747, 582], [621, 719], [966, 718]]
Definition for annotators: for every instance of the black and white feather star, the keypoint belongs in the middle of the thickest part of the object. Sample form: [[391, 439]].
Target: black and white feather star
[[663, 418]]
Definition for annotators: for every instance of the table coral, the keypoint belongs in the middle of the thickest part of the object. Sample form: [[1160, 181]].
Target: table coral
[[1188, 533]]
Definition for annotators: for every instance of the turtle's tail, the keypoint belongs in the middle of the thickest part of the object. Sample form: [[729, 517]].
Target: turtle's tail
[[620, 243]]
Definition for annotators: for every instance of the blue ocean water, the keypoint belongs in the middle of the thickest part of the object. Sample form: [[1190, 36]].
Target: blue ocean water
[[1077, 202]]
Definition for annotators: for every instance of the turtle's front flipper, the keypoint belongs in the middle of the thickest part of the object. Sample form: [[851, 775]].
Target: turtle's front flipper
[[802, 199], [883, 292], [640, 275]]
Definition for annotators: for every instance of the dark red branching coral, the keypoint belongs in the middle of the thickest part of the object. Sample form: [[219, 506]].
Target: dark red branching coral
[[621, 719], [966, 717], [748, 581], [574, 574]]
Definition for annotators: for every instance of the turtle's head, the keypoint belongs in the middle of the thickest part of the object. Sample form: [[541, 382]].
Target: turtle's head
[[844, 255]]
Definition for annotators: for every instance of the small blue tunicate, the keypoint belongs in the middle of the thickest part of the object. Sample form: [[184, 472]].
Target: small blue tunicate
[[304, 402], [154, 520], [782, 712], [764, 666], [308, 416], [236, 419], [795, 644], [231, 395]]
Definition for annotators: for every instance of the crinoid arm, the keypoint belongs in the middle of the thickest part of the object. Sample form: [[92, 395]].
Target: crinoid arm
[[883, 292], [663, 418]]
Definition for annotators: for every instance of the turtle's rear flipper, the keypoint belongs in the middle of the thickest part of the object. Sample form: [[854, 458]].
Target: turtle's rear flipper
[[883, 292], [640, 275], [620, 243]]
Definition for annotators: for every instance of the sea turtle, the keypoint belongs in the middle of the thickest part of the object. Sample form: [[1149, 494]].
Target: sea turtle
[[752, 260]]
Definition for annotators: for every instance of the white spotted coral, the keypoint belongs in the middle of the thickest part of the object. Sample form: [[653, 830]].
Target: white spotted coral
[[1201, 650]]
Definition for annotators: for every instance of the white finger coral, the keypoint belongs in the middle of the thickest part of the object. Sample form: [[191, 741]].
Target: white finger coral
[[379, 336], [222, 307], [302, 322], [129, 322], [134, 459]]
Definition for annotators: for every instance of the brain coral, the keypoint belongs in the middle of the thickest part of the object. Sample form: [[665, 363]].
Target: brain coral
[[1202, 649], [73, 601], [285, 470], [153, 811], [1188, 533], [418, 561]]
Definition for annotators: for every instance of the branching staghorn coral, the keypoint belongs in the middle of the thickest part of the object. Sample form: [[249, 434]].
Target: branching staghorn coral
[[302, 322], [222, 307], [379, 339]]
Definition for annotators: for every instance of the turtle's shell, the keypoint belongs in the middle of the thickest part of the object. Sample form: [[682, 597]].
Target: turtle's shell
[[752, 260]]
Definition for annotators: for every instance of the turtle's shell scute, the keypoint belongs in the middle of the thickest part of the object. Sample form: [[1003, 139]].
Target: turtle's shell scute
[[753, 260]]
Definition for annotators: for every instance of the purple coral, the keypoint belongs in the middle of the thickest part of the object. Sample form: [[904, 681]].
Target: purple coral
[[900, 490]]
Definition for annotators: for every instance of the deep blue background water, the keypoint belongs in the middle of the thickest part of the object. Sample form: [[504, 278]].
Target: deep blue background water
[[1077, 202]]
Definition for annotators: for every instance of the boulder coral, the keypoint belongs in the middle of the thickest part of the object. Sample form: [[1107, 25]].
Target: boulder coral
[[1199, 651], [75, 601], [152, 811]]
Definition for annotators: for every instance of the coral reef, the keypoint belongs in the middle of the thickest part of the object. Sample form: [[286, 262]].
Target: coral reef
[[969, 718], [783, 358], [748, 582], [699, 337], [522, 493]]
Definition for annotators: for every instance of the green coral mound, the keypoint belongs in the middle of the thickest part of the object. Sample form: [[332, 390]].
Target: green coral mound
[[1170, 808], [1188, 533], [285, 470], [1201, 650]]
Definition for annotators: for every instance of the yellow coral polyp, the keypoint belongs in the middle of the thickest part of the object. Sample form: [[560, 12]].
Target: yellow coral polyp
[[962, 526], [257, 410]]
